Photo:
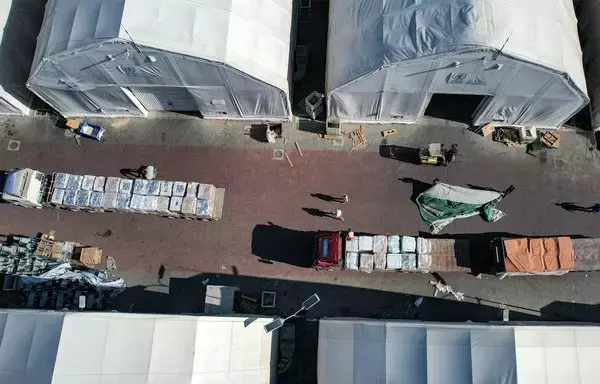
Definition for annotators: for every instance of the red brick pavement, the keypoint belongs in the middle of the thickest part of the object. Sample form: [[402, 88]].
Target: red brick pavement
[[261, 190]]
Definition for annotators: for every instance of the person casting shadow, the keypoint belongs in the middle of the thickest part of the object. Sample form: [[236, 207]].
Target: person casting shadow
[[315, 212], [323, 197], [571, 207], [132, 173]]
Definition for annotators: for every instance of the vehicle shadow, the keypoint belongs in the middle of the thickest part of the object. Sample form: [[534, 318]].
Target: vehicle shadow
[[275, 243], [403, 154]]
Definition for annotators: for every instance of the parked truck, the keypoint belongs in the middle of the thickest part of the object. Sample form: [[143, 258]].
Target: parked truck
[[503, 257], [173, 199], [367, 252], [544, 255]]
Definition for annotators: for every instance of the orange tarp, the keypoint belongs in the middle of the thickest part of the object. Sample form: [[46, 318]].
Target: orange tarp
[[539, 255]]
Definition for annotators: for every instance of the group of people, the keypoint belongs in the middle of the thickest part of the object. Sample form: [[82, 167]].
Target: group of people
[[338, 214]]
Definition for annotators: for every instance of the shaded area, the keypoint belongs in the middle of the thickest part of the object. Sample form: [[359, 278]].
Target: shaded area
[[17, 49], [312, 30], [273, 242], [459, 108], [418, 187], [397, 152], [186, 295]]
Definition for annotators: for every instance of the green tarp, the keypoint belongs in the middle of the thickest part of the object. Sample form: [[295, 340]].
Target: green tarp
[[442, 203]]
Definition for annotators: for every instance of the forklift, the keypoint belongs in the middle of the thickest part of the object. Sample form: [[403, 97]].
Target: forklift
[[436, 154]]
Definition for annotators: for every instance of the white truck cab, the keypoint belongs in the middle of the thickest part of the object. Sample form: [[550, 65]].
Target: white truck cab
[[24, 187]]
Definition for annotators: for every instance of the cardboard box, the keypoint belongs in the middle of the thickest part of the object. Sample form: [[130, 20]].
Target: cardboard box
[[141, 186], [487, 129], [166, 188], [125, 186], [72, 123], [112, 184], [99, 182], [179, 188], [87, 184], [175, 204]]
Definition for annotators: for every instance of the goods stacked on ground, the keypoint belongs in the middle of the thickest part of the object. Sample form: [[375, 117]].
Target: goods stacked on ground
[[88, 193], [41, 272]]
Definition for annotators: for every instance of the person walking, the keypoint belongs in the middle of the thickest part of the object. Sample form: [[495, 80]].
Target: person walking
[[147, 172], [342, 199], [338, 214], [350, 234]]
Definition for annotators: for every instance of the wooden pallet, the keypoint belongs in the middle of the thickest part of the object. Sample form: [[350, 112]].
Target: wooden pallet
[[550, 139], [358, 139], [46, 244]]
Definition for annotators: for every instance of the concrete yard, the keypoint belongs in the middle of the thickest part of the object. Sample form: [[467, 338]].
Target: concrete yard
[[263, 215]]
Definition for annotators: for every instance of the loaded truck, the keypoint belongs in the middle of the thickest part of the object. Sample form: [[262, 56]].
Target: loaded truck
[[544, 255], [503, 256], [31, 188], [367, 252]]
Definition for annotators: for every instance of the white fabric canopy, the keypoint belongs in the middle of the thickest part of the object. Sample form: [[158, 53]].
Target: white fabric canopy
[[20, 22], [366, 351], [386, 58], [223, 58], [72, 348]]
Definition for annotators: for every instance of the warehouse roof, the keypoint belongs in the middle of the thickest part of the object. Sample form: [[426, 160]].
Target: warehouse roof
[[365, 351], [253, 37], [365, 35], [62, 348]]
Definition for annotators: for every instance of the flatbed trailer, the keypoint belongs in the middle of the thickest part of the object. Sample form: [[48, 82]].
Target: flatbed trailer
[[368, 252], [545, 255], [93, 194]]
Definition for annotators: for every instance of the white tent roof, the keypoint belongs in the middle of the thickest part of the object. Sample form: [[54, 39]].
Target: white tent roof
[[365, 35], [68, 348], [363, 351], [253, 37]]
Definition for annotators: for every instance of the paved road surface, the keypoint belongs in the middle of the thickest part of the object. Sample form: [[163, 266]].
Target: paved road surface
[[263, 215]]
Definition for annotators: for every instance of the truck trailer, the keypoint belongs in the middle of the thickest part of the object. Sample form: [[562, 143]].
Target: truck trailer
[[544, 255], [368, 252], [31, 188], [503, 257]]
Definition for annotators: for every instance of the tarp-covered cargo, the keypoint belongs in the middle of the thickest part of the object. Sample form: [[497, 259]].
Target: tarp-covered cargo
[[443, 203], [385, 59], [538, 255], [223, 59]]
